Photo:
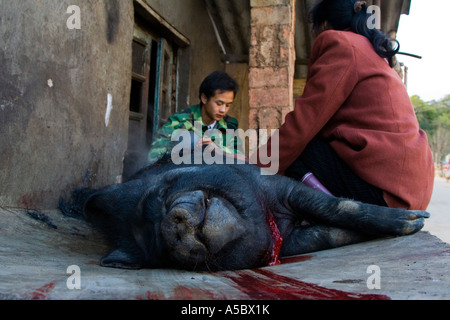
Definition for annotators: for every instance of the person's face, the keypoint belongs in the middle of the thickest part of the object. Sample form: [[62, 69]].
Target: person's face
[[216, 107]]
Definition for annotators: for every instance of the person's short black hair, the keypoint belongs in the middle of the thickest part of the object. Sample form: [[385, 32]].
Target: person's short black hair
[[218, 80]]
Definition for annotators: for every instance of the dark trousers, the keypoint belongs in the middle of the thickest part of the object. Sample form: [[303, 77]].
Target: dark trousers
[[320, 159]]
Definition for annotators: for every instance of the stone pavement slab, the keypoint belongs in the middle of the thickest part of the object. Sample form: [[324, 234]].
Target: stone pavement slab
[[38, 254]]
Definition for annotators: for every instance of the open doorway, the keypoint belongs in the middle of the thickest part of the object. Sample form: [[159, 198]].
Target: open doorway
[[153, 96]]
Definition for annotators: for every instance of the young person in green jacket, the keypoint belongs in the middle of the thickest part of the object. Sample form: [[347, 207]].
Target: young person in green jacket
[[216, 93]]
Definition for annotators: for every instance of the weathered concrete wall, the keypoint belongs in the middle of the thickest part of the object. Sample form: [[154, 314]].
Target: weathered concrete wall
[[53, 99]]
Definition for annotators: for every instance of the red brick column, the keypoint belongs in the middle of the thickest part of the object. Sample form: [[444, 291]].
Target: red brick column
[[272, 62]]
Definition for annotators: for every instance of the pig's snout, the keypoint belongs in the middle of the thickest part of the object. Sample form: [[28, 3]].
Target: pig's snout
[[197, 227]]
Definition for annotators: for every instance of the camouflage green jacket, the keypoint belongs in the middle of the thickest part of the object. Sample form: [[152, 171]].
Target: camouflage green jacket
[[187, 120]]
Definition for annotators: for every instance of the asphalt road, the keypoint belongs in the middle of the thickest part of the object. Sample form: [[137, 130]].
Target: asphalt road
[[439, 208]]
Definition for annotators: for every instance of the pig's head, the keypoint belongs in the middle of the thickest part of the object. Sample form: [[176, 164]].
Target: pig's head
[[203, 229], [197, 218]]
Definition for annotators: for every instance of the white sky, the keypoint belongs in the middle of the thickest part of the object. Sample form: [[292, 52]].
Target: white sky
[[426, 32]]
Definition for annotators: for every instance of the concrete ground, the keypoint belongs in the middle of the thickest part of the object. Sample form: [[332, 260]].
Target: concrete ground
[[52, 257], [439, 222]]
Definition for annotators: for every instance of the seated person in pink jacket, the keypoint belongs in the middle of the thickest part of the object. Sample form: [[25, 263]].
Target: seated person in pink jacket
[[354, 127]]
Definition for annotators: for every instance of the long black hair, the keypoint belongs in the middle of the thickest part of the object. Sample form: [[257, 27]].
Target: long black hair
[[352, 15]]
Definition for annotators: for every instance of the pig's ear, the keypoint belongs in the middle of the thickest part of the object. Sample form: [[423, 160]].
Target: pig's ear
[[112, 210], [120, 258], [115, 201]]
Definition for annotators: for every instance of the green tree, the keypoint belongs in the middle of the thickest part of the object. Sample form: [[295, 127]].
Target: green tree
[[434, 119]]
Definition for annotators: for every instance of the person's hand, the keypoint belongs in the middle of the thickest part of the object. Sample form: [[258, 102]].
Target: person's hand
[[241, 157], [205, 141]]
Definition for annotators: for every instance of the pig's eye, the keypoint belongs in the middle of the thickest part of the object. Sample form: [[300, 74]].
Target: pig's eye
[[206, 197]]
